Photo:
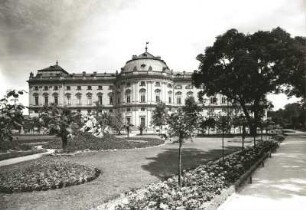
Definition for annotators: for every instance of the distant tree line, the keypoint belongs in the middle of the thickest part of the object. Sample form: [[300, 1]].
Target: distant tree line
[[292, 116]]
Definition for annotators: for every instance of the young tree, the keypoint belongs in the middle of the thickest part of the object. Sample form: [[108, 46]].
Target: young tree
[[160, 115], [10, 114], [240, 121], [192, 110], [247, 67], [116, 122], [62, 121], [181, 126], [223, 125]]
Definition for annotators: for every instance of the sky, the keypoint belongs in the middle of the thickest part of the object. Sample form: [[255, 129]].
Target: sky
[[101, 35]]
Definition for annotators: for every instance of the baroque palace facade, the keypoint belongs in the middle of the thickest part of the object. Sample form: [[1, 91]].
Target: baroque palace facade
[[141, 84]]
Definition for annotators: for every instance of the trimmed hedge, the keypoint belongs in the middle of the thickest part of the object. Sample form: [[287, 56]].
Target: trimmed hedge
[[85, 141], [45, 174]]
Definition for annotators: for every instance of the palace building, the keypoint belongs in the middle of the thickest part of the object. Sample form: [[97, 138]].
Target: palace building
[[142, 82]]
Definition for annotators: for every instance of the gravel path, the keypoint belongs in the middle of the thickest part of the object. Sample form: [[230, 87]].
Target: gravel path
[[281, 184]]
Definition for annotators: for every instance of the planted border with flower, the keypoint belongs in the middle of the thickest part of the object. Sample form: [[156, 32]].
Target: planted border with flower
[[199, 185]]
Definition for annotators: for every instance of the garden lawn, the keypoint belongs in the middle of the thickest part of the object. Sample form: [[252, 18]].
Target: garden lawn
[[122, 171]]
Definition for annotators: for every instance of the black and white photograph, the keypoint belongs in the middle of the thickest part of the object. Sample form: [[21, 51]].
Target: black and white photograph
[[152, 104]]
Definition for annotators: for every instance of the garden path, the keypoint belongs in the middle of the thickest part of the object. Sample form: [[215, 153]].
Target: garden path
[[122, 171], [25, 158], [280, 185]]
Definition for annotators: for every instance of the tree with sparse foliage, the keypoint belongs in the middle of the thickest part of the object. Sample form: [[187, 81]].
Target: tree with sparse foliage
[[181, 126], [116, 122], [61, 121], [10, 114], [240, 121], [246, 67], [223, 125], [160, 115]]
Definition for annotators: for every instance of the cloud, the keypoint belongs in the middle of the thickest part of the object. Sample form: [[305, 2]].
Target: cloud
[[101, 35]]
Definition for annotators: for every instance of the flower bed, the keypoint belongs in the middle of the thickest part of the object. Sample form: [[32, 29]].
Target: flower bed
[[199, 185], [44, 174], [85, 141]]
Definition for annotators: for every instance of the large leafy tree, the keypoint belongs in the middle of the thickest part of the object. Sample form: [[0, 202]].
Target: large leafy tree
[[247, 67], [160, 115], [10, 114], [61, 121]]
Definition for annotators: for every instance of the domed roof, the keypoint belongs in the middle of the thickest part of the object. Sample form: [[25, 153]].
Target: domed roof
[[145, 62]]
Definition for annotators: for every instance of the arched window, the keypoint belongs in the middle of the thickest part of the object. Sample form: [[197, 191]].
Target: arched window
[[55, 96], [89, 98], [170, 97], [68, 98], [178, 97], [110, 96], [46, 98], [169, 85], [189, 93], [128, 96], [100, 98], [157, 95], [79, 98], [35, 95], [142, 93]]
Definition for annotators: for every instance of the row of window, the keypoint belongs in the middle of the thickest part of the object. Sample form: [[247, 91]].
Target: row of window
[[88, 87], [157, 84]]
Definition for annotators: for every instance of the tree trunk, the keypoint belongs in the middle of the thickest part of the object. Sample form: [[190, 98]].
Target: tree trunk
[[223, 145], [180, 163], [64, 142], [243, 136]]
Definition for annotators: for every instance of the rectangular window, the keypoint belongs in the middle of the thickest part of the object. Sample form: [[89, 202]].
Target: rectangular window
[[36, 88], [89, 87], [46, 100], [118, 100], [110, 87], [55, 88], [100, 100], [79, 100], [100, 87], [36, 100], [56, 100], [68, 88], [178, 100], [128, 109], [128, 120], [157, 84], [45, 87], [68, 100], [142, 98], [170, 100], [157, 98], [89, 101], [111, 100], [143, 109], [128, 99], [79, 87], [223, 100], [128, 84], [143, 121], [142, 83]]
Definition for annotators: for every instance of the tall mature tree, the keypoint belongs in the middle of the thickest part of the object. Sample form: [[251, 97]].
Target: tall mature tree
[[61, 120], [160, 115], [10, 114], [247, 67]]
